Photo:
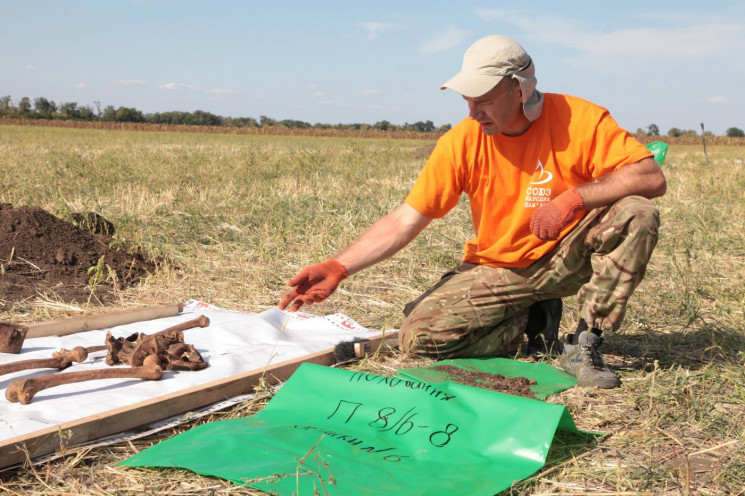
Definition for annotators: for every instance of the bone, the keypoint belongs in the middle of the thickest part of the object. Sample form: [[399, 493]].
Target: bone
[[12, 337], [201, 321], [24, 390], [133, 349], [92, 349], [60, 360], [184, 356]]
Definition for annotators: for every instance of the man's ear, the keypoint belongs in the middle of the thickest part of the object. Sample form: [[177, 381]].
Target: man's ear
[[517, 89]]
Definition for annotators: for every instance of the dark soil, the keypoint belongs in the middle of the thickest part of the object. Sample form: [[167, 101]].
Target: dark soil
[[518, 386], [41, 254]]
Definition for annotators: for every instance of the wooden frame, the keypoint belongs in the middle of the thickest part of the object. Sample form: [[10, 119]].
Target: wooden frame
[[66, 436]]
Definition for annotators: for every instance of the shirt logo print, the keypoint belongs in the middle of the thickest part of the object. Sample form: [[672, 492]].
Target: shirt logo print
[[544, 177]]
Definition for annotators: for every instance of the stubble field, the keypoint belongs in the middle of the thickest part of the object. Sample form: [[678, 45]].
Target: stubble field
[[237, 215]]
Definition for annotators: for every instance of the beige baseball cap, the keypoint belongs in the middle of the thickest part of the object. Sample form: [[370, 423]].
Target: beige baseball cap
[[486, 63]]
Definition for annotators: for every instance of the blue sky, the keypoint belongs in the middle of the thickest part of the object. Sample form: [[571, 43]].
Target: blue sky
[[671, 63]]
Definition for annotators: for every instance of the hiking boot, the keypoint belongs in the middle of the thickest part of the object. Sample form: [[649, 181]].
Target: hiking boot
[[542, 328], [583, 360]]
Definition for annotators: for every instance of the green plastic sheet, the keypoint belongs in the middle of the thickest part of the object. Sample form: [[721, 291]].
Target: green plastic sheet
[[341, 432], [659, 150]]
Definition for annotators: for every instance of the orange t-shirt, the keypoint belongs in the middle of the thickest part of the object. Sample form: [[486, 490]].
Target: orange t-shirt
[[506, 178]]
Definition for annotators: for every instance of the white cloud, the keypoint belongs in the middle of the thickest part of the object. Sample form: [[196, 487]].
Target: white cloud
[[446, 40], [176, 86], [374, 28], [319, 93], [219, 91], [80, 85], [370, 92], [130, 82], [630, 50], [31, 67], [716, 99]]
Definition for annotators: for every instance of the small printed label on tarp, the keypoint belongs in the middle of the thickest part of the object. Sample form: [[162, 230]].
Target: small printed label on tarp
[[343, 432]]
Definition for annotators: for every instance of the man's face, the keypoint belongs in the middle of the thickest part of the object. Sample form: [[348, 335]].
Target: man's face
[[500, 110]]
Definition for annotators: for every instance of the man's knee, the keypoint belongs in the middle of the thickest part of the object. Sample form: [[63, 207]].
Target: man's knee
[[640, 211], [417, 339], [632, 221]]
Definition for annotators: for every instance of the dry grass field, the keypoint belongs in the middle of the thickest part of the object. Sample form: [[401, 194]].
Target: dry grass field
[[239, 214]]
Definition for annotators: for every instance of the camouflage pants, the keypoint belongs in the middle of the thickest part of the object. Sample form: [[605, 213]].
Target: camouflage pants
[[477, 311]]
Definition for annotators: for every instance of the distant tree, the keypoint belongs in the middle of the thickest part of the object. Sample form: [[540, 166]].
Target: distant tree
[[735, 132], [44, 108], [6, 106], [24, 107], [674, 132], [423, 127], [202, 118], [265, 121], [241, 122], [85, 113], [69, 110], [108, 114], [126, 114], [382, 125], [444, 128], [293, 124], [653, 130]]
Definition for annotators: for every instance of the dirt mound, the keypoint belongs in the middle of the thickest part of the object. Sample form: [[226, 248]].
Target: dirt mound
[[519, 386], [43, 254]]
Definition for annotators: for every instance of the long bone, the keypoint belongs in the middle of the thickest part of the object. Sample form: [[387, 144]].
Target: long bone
[[24, 390], [60, 360]]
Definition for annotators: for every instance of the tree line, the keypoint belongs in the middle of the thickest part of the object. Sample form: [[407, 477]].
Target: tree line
[[652, 131], [43, 108]]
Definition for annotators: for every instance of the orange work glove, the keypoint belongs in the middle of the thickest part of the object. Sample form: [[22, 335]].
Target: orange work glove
[[313, 284], [550, 218]]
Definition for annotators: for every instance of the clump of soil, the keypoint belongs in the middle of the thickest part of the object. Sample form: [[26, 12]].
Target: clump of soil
[[519, 386], [43, 254]]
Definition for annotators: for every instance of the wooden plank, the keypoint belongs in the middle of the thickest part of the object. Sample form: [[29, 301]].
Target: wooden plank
[[371, 346], [71, 325], [68, 435]]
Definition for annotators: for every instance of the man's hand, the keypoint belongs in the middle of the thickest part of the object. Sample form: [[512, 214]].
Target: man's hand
[[313, 284], [550, 218]]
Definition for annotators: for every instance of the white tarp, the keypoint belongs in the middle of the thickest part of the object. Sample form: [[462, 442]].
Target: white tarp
[[234, 342]]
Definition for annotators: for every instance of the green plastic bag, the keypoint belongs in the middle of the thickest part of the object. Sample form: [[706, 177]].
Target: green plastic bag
[[341, 432], [659, 150]]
